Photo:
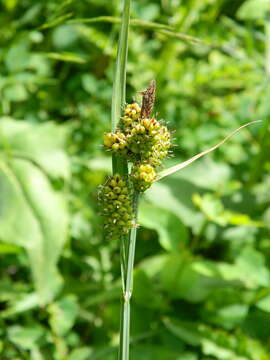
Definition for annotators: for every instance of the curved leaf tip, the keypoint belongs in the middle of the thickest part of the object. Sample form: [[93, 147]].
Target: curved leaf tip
[[183, 164]]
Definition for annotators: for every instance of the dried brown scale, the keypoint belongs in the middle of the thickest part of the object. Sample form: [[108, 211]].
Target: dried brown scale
[[148, 100]]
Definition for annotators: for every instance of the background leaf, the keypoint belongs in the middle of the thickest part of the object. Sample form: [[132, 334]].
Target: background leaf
[[201, 280], [32, 214], [172, 233]]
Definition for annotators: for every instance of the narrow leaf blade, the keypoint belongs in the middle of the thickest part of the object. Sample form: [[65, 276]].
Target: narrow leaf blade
[[183, 164], [119, 85]]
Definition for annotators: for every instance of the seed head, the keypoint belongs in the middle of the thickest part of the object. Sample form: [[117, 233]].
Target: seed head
[[143, 175], [116, 206]]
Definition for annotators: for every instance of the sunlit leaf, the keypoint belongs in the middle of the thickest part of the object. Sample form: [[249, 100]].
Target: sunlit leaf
[[63, 314], [33, 214]]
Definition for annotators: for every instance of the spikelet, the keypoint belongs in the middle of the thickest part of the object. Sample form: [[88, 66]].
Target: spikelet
[[132, 113], [115, 142], [116, 206], [141, 139], [143, 176]]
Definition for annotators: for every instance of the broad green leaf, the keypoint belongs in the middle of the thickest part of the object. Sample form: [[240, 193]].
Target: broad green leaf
[[33, 215], [172, 233], [63, 314], [176, 197], [9, 248], [186, 331], [36, 354], [15, 92], [212, 349], [25, 303], [252, 268], [10, 291], [264, 303], [184, 278], [145, 293], [25, 337], [213, 209], [230, 316], [41, 144], [14, 62], [253, 10], [216, 343], [249, 268], [154, 264], [82, 353], [64, 36]]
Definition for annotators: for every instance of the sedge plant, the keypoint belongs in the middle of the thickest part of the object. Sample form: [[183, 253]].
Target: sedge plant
[[138, 143]]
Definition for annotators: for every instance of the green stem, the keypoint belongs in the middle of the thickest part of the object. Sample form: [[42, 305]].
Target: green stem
[[127, 288], [119, 84], [120, 166]]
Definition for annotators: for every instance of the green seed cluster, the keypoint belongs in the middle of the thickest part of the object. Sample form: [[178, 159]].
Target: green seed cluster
[[140, 139], [132, 113], [145, 142], [143, 175], [116, 205], [116, 142]]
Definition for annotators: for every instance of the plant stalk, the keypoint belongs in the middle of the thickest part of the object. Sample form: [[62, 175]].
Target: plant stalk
[[120, 166], [127, 276]]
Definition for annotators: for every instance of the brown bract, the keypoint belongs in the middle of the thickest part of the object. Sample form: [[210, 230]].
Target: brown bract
[[148, 100]]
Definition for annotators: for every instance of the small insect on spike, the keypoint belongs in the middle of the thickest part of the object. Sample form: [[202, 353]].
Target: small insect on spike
[[148, 99]]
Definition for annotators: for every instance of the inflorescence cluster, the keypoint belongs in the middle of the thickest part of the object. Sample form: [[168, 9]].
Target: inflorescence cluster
[[116, 204], [143, 141]]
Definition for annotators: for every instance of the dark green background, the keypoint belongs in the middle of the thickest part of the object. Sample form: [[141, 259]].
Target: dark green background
[[202, 280]]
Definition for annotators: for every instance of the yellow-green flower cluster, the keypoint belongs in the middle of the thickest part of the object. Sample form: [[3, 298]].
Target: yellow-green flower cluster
[[116, 206], [115, 142], [132, 113], [161, 147], [143, 175], [143, 141], [142, 137], [139, 139]]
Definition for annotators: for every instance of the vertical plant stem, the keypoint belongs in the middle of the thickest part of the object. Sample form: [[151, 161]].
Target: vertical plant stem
[[127, 290], [119, 84], [120, 166]]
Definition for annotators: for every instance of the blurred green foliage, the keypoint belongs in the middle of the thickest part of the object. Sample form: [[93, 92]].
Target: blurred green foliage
[[202, 279]]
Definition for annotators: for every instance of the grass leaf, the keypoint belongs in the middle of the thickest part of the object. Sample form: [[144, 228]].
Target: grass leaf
[[119, 85], [183, 164], [66, 57], [140, 23]]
